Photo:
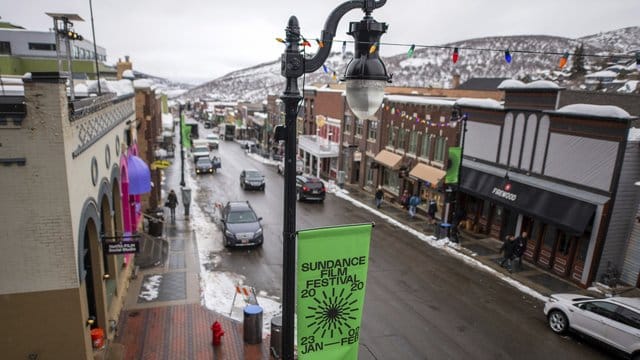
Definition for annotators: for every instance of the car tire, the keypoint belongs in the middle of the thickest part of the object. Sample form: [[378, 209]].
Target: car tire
[[298, 196], [262, 188], [558, 322]]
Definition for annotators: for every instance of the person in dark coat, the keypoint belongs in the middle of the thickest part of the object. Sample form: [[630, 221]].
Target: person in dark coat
[[520, 247], [507, 249], [432, 209], [172, 203], [379, 196]]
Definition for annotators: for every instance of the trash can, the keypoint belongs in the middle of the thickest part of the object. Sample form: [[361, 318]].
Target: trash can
[[155, 227], [252, 326], [97, 338], [444, 230], [276, 337]]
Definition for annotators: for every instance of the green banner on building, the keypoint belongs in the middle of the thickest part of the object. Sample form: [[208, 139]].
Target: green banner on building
[[453, 167], [331, 278]]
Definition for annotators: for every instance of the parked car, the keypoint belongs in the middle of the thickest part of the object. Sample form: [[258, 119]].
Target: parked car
[[204, 166], [241, 225], [213, 141], [614, 321], [252, 179], [299, 167], [309, 188]]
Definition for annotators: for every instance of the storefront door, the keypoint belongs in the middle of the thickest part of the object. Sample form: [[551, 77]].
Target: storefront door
[[535, 238], [497, 217], [547, 246], [564, 252]]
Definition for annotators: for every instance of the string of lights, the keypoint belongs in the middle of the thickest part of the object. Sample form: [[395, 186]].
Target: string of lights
[[455, 54]]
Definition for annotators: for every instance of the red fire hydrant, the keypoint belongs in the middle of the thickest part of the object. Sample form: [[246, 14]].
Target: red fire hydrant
[[217, 331]]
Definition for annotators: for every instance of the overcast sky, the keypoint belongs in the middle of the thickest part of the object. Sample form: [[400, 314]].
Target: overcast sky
[[199, 40]]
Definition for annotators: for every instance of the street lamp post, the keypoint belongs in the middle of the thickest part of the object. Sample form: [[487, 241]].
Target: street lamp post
[[458, 205], [366, 77], [180, 107]]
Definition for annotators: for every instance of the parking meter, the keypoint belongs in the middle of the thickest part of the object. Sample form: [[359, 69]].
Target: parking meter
[[186, 200]]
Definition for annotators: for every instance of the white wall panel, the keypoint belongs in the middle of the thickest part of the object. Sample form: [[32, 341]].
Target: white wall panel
[[541, 145], [482, 141], [529, 137], [516, 145], [506, 139], [580, 160]]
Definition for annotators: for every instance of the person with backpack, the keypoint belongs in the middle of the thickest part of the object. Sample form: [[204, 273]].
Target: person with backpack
[[404, 199], [414, 201]]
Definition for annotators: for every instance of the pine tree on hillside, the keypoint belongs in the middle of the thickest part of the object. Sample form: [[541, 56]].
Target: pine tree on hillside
[[578, 62]]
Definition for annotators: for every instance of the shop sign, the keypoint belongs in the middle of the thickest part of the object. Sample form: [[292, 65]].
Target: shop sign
[[505, 194], [122, 247]]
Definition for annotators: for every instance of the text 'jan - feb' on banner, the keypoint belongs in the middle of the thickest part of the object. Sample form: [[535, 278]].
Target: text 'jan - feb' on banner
[[331, 278]]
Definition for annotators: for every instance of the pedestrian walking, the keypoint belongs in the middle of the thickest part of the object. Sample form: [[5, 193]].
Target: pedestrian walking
[[172, 202], [519, 249], [414, 201], [432, 209], [379, 196], [507, 250], [404, 199]]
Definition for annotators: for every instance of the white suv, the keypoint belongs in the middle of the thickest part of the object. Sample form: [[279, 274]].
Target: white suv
[[614, 321], [299, 167]]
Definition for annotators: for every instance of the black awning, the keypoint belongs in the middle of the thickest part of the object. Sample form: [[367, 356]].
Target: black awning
[[565, 212]]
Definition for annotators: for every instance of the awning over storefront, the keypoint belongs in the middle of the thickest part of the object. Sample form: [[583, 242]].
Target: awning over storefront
[[427, 173], [388, 159], [139, 176], [565, 212]]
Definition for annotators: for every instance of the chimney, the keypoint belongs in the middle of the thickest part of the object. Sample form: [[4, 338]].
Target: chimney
[[122, 66], [455, 82]]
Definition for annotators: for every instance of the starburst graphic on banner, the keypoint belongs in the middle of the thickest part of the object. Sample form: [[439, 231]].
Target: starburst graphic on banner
[[332, 313]]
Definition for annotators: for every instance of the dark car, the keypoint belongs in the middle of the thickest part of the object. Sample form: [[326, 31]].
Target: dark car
[[309, 188], [204, 166], [241, 225], [252, 179]]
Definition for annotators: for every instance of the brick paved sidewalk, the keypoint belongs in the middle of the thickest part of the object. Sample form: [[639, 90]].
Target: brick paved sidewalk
[[183, 332]]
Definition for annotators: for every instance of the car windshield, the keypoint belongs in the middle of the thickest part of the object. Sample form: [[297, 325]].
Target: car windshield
[[253, 175], [200, 149], [213, 137], [242, 216], [203, 162]]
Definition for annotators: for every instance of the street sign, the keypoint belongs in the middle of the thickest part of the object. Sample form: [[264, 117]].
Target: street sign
[[121, 247], [331, 289]]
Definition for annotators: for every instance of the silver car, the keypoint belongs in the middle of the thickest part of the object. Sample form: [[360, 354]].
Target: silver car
[[614, 321]]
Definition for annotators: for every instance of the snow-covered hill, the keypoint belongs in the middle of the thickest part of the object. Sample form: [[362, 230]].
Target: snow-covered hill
[[433, 66]]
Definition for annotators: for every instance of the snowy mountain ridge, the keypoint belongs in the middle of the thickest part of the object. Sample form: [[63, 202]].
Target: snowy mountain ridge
[[433, 67]]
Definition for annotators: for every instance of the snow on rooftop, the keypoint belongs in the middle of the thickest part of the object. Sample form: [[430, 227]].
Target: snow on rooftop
[[128, 74], [634, 134], [605, 111], [511, 84], [121, 87], [167, 121], [142, 83], [629, 87], [480, 103], [421, 100], [603, 74]]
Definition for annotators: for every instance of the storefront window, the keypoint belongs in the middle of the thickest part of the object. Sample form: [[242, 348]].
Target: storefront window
[[426, 146], [372, 134], [390, 180], [359, 128], [392, 136], [549, 236], [486, 208], [369, 178], [413, 142], [348, 124], [440, 149], [583, 244], [564, 243], [402, 138]]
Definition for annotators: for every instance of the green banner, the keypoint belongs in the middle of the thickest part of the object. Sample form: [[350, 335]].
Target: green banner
[[453, 167], [186, 133], [331, 276]]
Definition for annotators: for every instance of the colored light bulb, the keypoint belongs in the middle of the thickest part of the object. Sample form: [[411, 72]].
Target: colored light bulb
[[563, 60], [507, 56], [455, 56], [411, 50]]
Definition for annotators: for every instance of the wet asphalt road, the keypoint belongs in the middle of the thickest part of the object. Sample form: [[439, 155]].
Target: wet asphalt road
[[420, 303]]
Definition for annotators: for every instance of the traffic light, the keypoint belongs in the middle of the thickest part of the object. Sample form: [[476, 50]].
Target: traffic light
[[70, 34]]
